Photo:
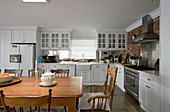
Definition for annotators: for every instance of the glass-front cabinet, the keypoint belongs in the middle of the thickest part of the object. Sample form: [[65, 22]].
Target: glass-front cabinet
[[55, 40], [102, 41], [112, 41], [121, 41], [45, 40]]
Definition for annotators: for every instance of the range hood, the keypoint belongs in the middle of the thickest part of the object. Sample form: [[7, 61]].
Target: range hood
[[147, 32]]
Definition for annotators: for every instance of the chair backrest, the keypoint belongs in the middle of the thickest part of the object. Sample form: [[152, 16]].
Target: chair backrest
[[17, 72], [102, 100], [27, 101], [112, 72], [107, 76], [61, 72], [31, 72]]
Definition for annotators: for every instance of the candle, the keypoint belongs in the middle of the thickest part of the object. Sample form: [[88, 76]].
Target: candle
[[35, 65]]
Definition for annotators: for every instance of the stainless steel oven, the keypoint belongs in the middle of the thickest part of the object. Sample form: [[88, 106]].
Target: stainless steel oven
[[132, 82]]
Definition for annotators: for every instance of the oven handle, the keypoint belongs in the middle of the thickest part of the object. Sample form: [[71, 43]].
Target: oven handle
[[131, 73], [132, 77]]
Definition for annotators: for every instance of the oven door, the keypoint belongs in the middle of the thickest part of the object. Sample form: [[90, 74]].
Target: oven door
[[132, 82]]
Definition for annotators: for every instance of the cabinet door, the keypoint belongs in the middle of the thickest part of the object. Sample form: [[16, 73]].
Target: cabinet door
[[55, 40], [30, 36], [65, 41], [101, 41], [121, 41], [111, 41], [18, 36], [143, 95], [96, 75], [154, 100], [85, 75], [45, 36]]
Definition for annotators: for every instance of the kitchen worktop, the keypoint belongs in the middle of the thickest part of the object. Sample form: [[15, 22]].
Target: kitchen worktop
[[153, 73]]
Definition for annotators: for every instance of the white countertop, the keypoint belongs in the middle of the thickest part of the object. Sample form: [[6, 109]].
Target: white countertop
[[151, 72]]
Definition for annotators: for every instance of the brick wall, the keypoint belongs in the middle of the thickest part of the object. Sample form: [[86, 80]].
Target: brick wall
[[135, 49]]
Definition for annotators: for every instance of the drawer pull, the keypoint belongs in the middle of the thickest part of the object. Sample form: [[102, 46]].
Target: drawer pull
[[149, 79], [42, 66], [55, 66]]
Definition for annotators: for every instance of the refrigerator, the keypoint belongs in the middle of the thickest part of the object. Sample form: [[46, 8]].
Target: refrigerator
[[22, 56]]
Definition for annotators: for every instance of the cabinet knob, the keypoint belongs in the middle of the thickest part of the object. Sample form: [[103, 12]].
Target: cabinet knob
[[42, 66], [55, 66], [149, 79], [148, 87]]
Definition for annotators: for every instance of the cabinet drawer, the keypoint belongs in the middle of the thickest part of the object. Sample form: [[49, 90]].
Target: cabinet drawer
[[43, 66], [97, 66]]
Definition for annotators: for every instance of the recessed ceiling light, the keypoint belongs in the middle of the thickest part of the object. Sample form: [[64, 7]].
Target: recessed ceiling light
[[34, 0]]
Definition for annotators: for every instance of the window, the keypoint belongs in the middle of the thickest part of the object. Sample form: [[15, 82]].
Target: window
[[83, 49]]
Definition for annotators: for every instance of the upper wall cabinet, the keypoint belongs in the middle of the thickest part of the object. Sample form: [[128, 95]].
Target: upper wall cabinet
[[112, 41], [24, 36], [55, 40]]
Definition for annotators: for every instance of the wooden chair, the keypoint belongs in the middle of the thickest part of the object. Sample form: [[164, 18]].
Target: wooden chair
[[96, 100], [26, 101], [61, 73], [31, 72], [17, 72]]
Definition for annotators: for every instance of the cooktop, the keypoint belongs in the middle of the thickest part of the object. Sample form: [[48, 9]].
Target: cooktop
[[140, 67]]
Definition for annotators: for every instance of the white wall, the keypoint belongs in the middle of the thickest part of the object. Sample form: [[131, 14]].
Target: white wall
[[5, 47], [165, 55]]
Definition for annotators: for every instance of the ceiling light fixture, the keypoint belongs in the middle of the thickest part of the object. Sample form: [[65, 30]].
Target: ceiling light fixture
[[34, 0]]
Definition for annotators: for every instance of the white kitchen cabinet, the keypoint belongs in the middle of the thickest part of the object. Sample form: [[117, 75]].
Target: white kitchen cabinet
[[122, 41], [23, 36], [112, 41], [53, 66], [149, 92], [85, 75], [55, 40], [97, 73]]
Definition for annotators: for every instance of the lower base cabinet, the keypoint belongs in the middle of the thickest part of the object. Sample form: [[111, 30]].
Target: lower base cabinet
[[85, 75], [149, 93]]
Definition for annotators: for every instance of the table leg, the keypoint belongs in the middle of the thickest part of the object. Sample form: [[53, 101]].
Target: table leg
[[72, 105]]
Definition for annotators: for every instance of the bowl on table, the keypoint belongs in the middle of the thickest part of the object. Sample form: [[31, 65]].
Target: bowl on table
[[5, 79]]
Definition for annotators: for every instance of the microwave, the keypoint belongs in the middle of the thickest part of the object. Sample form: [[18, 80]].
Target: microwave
[[15, 58]]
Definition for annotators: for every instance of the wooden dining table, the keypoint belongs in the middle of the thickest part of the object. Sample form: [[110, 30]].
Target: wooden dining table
[[65, 93]]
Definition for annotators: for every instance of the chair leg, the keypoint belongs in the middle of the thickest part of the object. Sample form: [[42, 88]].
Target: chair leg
[[30, 109], [38, 109], [14, 109], [65, 108], [21, 109]]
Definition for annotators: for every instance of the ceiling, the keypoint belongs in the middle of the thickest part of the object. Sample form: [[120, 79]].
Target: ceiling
[[98, 14]]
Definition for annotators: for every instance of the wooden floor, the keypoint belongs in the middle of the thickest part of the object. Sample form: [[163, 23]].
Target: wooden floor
[[122, 102]]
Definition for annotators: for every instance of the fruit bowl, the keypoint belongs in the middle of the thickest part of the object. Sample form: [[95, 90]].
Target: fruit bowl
[[5, 79]]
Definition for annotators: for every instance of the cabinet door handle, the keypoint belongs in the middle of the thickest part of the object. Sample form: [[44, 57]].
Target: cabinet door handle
[[149, 79]]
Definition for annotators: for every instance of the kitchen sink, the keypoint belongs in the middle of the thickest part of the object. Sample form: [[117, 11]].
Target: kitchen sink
[[83, 66]]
